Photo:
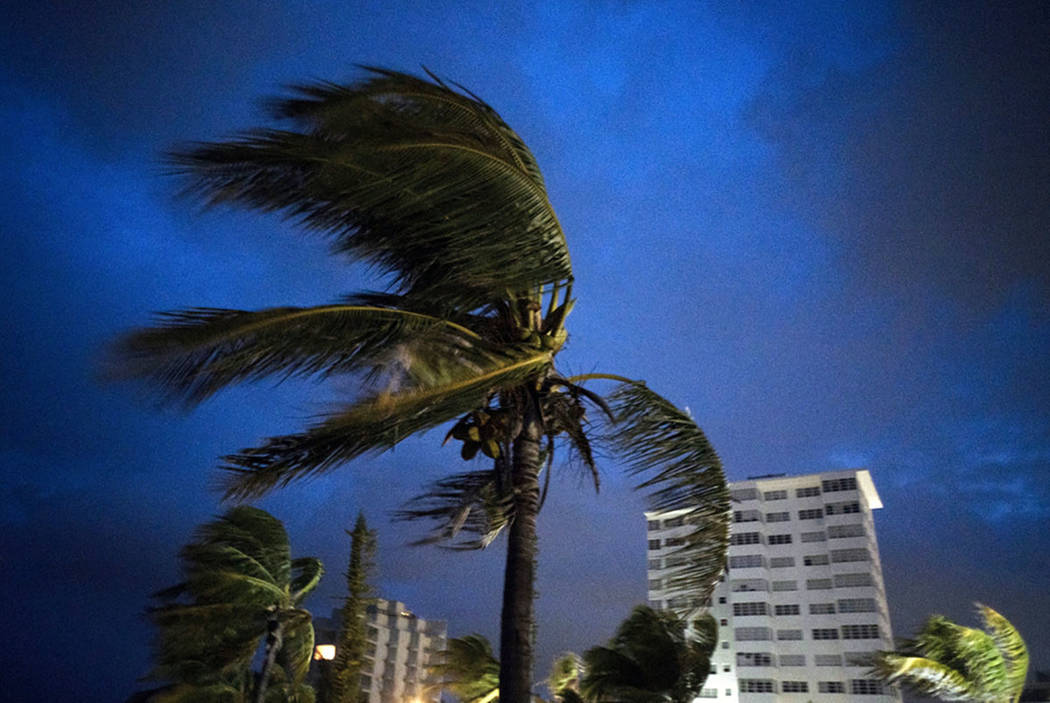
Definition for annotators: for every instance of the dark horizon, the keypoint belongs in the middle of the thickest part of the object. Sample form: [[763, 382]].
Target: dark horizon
[[822, 228]]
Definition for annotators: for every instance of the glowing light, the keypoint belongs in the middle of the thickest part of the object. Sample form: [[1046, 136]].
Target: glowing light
[[324, 652]]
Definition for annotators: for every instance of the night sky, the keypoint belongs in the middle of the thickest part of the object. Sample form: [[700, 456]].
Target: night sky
[[823, 227]]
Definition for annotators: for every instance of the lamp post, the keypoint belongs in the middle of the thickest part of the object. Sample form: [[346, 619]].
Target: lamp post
[[324, 654]]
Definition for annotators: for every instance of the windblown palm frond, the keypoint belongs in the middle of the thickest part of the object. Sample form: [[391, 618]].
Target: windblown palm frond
[[664, 446], [194, 353], [957, 663], [374, 424], [471, 509], [653, 658], [467, 669], [426, 183]]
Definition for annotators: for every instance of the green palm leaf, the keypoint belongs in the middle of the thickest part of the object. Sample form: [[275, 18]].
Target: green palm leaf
[[467, 669], [471, 509], [682, 473], [374, 424], [428, 184], [194, 353]]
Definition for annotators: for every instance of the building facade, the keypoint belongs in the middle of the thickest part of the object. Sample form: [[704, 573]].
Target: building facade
[[400, 647], [801, 606]]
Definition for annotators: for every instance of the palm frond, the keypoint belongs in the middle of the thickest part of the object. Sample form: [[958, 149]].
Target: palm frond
[[308, 572], [298, 647], [191, 354], [471, 509], [374, 424], [467, 669], [664, 446], [424, 182], [925, 676], [1010, 644]]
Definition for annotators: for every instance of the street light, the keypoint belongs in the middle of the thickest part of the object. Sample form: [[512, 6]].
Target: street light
[[324, 652]]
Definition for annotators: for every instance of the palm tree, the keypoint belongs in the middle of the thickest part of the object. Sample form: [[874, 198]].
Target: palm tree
[[956, 663], [467, 669], [654, 657], [241, 586], [428, 185]]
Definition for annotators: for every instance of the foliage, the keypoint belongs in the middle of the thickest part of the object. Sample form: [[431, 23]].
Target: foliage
[[428, 185], [239, 581], [467, 669], [654, 657], [353, 631], [956, 663]]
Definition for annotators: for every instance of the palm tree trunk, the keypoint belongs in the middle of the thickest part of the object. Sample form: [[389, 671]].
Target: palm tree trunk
[[517, 620], [274, 639]]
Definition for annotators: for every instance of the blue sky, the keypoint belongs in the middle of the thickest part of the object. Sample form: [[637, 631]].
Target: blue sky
[[821, 226]]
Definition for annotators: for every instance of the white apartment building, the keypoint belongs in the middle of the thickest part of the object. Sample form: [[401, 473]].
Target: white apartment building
[[801, 605], [401, 646]]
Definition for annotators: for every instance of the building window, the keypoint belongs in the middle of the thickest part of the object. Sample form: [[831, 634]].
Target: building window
[[754, 659], [746, 561], [831, 687], [674, 522], [709, 693], [747, 516], [857, 605], [785, 585], [827, 660], [743, 494], [818, 584], [654, 563], [860, 632], [813, 536], [779, 539], [788, 609], [755, 686], [859, 659], [653, 524], [747, 585], [807, 492], [753, 608], [852, 580], [654, 544], [725, 669], [789, 634], [721, 600], [815, 560], [792, 660], [865, 687], [841, 531], [655, 584], [794, 687], [745, 538], [821, 608], [774, 495], [674, 542], [839, 484], [811, 514], [842, 508], [781, 562], [843, 555], [751, 634], [725, 644], [778, 517], [825, 633]]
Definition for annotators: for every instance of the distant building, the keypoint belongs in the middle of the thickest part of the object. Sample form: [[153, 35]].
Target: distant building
[[401, 646], [801, 606]]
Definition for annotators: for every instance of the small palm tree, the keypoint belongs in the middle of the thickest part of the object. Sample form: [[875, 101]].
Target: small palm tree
[[467, 669], [241, 586], [655, 657], [428, 185], [956, 663]]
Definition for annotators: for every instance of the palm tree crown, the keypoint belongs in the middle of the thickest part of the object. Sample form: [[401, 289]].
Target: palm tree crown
[[428, 185], [654, 657], [241, 586], [956, 663]]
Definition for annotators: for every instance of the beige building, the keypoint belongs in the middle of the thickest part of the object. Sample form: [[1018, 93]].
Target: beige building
[[401, 645], [801, 605]]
